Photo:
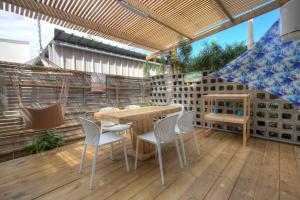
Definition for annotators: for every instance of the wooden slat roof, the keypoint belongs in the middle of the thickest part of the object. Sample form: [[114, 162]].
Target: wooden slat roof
[[165, 22]]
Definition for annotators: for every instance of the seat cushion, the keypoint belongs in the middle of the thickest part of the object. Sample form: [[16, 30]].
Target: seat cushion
[[118, 127], [109, 137], [149, 137]]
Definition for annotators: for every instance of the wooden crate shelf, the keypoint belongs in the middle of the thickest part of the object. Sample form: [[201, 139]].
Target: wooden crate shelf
[[212, 99]]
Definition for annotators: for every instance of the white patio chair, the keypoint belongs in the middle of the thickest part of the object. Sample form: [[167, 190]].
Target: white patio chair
[[185, 125], [176, 113], [95, 138], [132, 107], [163, 134], [110, 126]]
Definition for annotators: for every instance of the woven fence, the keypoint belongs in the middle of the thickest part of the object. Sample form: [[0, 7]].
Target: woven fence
[[42, 89]]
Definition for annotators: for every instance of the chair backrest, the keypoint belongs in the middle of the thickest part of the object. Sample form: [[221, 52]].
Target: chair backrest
[[186, 122], [164, 129], [107, 109], [176, 113], [132, 107], [91, 131]]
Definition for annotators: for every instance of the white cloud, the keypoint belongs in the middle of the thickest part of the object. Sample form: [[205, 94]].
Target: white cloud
[[16, 27]]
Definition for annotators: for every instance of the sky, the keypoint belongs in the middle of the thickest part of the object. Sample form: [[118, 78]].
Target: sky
[[238, 33], [17, 27]]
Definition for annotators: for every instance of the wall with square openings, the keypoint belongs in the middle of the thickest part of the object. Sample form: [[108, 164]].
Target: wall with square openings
[[271, 118]]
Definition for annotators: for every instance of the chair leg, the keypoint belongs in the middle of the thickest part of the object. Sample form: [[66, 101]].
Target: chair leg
[[196, 142], [136, 153], [112, 151], [131, 135], [82, 158], [178, 152], [94, 168], [125, 155], [183, 149], [160, 165], [156, 158]]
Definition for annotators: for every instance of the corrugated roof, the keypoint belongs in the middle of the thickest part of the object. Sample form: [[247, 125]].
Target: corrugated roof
[[155, 25], [62, 36]]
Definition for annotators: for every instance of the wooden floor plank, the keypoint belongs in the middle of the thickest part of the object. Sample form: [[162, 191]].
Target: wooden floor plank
[[224, 170], [195, 169], [267, 186], [207, 178], [50, 179], [289, 175], [227, 180], [136, 187], [102, 189], [175, 174], [246, 183], [154, 176]]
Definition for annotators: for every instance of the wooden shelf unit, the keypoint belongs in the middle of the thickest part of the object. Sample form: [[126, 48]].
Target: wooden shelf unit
[[227, 118]]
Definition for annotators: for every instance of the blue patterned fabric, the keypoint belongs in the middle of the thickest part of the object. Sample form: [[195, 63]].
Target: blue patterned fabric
[[271, 65]]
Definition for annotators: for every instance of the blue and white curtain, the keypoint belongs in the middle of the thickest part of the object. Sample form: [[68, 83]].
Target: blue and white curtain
[[271, 65]]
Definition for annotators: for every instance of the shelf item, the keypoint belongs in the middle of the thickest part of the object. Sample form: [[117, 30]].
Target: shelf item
[[211, 116]]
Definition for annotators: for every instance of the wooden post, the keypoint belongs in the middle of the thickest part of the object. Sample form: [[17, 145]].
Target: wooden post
[[174, 53], [249, 114], [211, 110], [203, 111], [195, 105], [245, 125]]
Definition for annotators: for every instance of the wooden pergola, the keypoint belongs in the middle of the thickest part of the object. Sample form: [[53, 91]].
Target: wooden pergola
[[155, 25]]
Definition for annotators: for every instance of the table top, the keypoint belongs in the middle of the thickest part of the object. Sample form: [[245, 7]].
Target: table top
[[126, 115]]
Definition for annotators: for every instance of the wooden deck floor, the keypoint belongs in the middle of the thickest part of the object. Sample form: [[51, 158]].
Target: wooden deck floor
[[224, 170]]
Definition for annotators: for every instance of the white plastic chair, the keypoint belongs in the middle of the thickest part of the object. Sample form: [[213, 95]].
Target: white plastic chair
[[185, 125], [110, 126], [95, 138], [132, 107], [164, 133], [176, 113]]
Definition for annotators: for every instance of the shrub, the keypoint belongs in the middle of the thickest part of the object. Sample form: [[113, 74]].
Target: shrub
[[48, 139]]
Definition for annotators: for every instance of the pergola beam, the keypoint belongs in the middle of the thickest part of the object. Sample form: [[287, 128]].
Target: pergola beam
[[224, 9], [226, 25], [59, 16], [155, 17]]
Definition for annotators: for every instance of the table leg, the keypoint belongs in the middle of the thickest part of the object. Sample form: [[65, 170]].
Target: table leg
[[248, 129], [245, 134], [146, 150]]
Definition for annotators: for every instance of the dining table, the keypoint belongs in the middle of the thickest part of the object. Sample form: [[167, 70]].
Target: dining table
[[143, 120]]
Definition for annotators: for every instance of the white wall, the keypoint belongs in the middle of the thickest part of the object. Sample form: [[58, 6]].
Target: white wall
[[14, 51], [72, 58]]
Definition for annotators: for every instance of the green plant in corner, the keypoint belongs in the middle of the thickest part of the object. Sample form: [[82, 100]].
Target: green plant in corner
[[48, 139], [184, 56], [146, 69]]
